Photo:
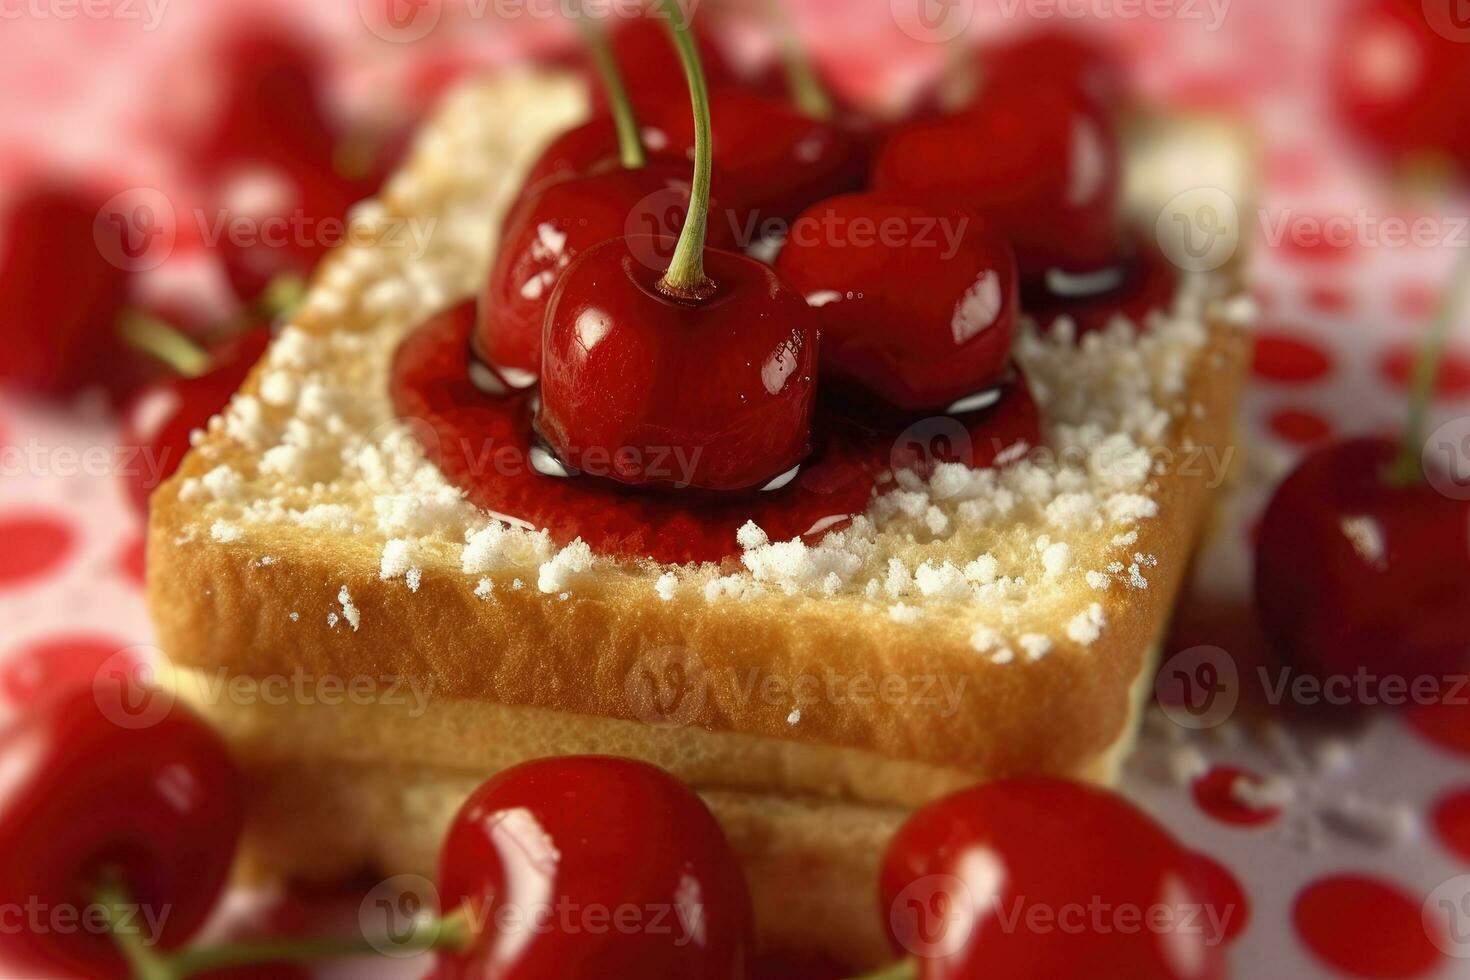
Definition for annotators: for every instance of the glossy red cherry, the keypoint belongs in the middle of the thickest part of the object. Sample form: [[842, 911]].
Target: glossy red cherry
[[917, 301], [1039, 158], [61, 298], [1356, 572], [1045, 878], [548, 232], [158, 803], [158, 421], [726, 382], [594, 867], [585, 149], [775, 159], [1400, 77]]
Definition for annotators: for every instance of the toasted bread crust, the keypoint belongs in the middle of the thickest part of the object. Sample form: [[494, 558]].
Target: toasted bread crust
[[217, 605]]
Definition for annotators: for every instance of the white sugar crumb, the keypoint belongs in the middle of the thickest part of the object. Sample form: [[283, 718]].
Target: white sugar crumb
[[1098, 581], [295, 616], [936, 520], [1185, 764], [332, 620], [279, 388], [1376, 823], [1056, 559], [983, 570], [794, 717], [1266, 793], [484, 589], [1087, 626], [750, 536], [226, 533], [349, 611], [1035, 645], [942, 581], [901, 613], [573, 560], [666, 586], [991, 641], [266, 561], [223, 484], [396, 560], [414, 577]]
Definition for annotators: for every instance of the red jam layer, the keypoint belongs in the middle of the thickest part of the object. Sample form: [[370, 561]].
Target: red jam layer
[[483, 444]]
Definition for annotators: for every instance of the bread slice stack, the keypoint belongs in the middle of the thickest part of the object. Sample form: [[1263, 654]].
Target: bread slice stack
[[374, 646]]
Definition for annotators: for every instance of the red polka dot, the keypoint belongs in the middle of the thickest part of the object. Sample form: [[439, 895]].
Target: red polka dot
[[1220, 890], [1329, 299], [1363, 927], [1445, 724], [31, 546], [1452, 822], [1417, 301], [1215, 793], [132, 562], [1299, 426], [54, 664], [1397, 367], [1316, 239], [1290, 360]]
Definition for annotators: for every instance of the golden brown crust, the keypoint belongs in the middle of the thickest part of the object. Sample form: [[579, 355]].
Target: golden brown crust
[[217, 605]]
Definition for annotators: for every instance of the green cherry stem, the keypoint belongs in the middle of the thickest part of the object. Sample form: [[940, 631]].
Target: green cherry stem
[[630, 141], [807, 92], [146, 962], [1408, 469], [686, 279], [147, 333]]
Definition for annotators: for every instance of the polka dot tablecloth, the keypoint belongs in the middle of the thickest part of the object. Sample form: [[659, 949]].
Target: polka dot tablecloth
[[1346, 847]]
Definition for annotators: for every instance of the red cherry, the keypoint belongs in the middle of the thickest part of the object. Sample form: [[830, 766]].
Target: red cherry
[[1081, 60], [565, 863], [1355, 573], [858, 259], [160, 803], [582, 150], [1134, 287], [547, 233], [775, 159], [269, 102], [157, 423], [60, 297], [1040, 158], [1044, 878], [1401, 81], [652, 71], [728, 381]]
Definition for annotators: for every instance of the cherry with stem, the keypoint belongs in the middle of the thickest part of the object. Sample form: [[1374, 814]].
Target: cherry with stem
[[711, 359], [1363, 565]]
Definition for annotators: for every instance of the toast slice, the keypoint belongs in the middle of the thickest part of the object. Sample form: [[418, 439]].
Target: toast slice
[[969, 625]]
